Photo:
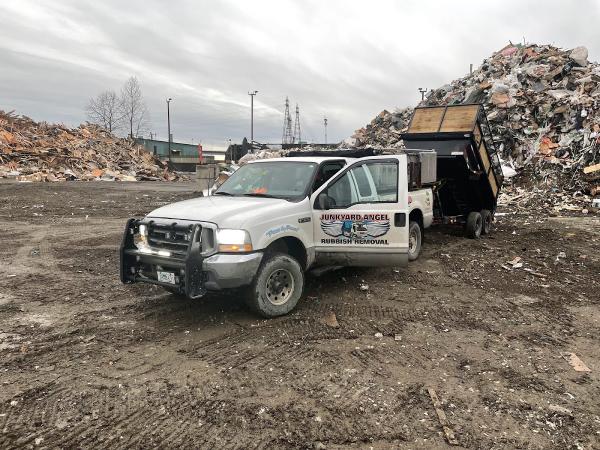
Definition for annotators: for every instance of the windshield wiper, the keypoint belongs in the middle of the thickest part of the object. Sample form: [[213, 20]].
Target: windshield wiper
[[258, 194], [223, 193]]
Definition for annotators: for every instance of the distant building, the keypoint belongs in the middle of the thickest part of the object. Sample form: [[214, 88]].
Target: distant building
[[183, 156]]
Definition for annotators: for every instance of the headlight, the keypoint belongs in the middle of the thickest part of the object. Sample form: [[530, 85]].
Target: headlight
[[234, 241], [140, 239]]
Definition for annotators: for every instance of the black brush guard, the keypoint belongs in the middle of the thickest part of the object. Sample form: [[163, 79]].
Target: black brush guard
[[190, 278]]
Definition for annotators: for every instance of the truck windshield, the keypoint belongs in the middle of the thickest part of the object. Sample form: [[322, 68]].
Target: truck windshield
[[277, 179]]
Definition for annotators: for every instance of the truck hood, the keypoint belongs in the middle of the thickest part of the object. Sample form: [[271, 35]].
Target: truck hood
[[226, 212]]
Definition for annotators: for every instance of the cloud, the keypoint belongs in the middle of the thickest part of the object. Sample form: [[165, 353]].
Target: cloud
[[346, 60]]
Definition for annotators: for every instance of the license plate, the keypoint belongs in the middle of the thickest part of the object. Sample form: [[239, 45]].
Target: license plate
[[166, 277]]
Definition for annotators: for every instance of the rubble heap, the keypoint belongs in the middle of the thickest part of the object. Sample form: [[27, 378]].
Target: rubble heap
[[261, 154], [31, 151], [384, 130], [543, 104]]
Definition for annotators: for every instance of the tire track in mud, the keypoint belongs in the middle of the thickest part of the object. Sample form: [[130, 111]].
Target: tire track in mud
[[261, 345], [65, 419]]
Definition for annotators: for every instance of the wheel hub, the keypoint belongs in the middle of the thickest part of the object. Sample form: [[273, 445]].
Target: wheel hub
[[412, 242], [280, 286]]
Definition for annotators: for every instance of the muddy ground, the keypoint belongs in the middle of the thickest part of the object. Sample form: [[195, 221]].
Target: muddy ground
[[88, 362]]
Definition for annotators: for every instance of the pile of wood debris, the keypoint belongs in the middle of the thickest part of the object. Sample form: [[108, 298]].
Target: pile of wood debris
[[31, 151]]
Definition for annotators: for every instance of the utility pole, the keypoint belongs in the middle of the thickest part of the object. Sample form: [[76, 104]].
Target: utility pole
[[325, 123], [422, 91], [252, 94], [169, 126], [297, 132]]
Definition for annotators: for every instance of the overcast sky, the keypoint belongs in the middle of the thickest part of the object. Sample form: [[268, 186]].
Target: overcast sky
[[346, 59]]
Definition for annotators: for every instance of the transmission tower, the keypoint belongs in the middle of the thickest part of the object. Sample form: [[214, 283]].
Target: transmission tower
[[325, 123], [297, 138], [287, 137]]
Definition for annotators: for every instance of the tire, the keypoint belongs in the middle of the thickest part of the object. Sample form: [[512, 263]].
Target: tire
[[415, 239], [474, 225], [486, 217], [277, 287]]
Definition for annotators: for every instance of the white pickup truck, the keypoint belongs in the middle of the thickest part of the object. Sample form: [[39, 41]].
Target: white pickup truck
[[274, 219]]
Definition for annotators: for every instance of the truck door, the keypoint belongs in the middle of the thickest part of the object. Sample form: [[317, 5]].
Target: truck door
[[360, 216]]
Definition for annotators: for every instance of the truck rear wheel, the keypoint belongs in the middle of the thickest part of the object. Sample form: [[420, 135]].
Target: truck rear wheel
[[415, 238], [474, 225], [486, 217], [277, 287]]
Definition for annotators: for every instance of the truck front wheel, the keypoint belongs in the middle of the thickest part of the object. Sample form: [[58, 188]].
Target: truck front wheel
[[415, 238], [277, 287]]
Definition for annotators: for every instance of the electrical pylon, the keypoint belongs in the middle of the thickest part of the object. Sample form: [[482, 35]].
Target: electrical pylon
[[297, 138], [287, 137]]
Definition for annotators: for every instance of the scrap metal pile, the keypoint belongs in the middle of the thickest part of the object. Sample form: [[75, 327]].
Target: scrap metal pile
[[543, 104], [31, 151]]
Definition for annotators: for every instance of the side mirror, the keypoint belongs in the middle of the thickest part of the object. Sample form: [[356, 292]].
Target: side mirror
[[325, 201]]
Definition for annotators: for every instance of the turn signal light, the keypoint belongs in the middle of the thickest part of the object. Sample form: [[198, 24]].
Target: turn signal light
[[228, 248]]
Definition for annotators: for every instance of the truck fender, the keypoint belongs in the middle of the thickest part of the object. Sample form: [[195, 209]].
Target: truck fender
[[292, 245]]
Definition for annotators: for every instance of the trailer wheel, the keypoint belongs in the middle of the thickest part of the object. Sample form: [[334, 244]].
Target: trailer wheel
[[415, 238], [486, 217], [277, 287], [474, 225]]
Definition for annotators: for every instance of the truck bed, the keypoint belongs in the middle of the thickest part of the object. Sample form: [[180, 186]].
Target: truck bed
[[468, 168]]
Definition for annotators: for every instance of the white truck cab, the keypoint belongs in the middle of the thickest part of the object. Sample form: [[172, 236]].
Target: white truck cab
[[274, 219]]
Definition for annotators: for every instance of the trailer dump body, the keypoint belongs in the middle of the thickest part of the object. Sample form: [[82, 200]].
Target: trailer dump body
[[468, 166]]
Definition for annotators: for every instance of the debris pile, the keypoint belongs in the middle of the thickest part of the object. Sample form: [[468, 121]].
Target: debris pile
[[546, 201], [31, 151], [261, 154], [384, 131], [543, 104]]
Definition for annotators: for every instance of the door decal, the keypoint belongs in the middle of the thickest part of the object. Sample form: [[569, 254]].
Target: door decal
[[355, 228]]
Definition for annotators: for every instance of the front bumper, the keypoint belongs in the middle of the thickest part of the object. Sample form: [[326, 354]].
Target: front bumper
[[195, 273], [224, 271]]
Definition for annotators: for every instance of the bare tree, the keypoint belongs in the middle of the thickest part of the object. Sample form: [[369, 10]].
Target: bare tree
[[105, 110], [133, 107]]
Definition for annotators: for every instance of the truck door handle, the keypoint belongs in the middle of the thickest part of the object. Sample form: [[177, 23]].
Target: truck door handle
[[400, 219]]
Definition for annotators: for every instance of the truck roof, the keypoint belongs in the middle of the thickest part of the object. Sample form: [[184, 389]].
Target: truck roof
[[312, 159]]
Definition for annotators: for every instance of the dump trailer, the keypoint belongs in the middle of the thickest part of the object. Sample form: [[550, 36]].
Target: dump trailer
[[469, 174]]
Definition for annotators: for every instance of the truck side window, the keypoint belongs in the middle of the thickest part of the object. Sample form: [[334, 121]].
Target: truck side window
[[344, 192], [385, 177], [362, 183], [326, 171]]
